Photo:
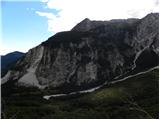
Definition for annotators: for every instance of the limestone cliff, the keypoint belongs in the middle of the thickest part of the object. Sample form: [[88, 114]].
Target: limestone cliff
[[92, 53]]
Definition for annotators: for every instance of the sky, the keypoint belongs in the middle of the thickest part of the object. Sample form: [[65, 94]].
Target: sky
[[27, 23]]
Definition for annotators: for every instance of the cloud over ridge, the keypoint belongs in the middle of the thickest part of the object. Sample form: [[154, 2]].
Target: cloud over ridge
[[72, 12]]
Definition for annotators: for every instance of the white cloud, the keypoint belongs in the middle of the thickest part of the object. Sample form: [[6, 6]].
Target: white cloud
[[45, 14], [73, 11], [44, 1], [32, 8]]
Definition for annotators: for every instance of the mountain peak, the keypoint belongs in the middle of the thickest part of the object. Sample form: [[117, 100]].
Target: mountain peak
[[86, 20], [84, 25], [15, 53]]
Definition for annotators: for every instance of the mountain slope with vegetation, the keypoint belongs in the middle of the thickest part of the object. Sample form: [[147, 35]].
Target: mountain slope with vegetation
[[136, 97]]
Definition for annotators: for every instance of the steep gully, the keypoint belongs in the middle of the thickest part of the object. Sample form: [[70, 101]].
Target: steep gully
[[47, 97]]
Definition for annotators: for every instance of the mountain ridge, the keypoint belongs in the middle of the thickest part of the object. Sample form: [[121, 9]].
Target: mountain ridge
[[88, 55], [8, 61]]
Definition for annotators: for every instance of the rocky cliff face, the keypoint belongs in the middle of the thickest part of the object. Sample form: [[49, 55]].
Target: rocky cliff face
[[90, 54]]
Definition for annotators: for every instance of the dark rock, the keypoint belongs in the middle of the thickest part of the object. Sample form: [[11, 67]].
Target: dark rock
[[90, 54]]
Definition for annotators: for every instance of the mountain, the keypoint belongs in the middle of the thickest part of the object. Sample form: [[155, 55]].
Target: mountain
[[8, 61], [91, 54]]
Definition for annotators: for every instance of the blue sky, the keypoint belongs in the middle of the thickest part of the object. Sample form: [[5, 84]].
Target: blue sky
[[27, 23], [22, 28]]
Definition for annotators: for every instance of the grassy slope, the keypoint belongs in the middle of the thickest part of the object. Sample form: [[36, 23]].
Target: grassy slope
[[136, 97]]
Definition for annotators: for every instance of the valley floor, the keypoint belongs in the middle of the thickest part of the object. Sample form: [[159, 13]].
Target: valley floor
[[136, 97]]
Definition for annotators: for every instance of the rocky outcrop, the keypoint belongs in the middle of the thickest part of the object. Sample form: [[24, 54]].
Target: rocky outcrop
[[92, 53]]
